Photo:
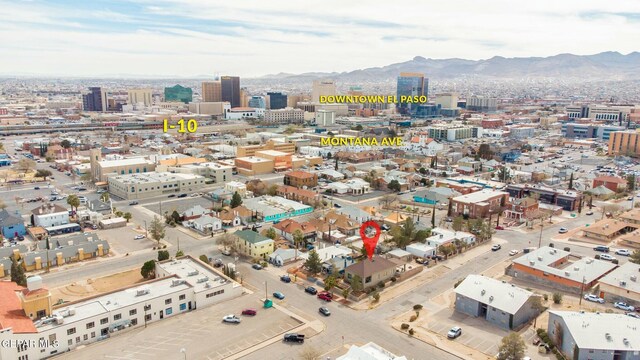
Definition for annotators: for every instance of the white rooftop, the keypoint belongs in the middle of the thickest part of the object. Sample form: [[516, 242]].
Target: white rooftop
[[500, 295], [589, 330], [253, 159], [479, 196], [124, 162], [194, 274], [586, 268], [370, 351], [330, 252], [152, 177], [626, 276]]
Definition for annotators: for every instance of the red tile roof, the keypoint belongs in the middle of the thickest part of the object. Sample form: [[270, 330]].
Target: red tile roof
[[11, 313]]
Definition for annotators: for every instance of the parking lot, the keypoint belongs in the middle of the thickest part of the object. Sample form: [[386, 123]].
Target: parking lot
[[178, 204], [201, 333], [122, 239]]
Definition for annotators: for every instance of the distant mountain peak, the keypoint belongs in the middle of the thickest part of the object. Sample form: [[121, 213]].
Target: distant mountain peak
[[419, 58]]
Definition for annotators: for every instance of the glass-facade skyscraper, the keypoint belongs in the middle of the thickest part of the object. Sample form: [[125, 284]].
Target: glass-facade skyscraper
[[257, 102], [178, 93], [411, 84], [277, 100], [231, 90]]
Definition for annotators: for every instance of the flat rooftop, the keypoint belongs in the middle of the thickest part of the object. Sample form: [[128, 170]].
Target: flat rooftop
[[153, 177], [625, 277], [253, 159], [124, 162], [498, 294], [479, 196], [602, 331], [198, 276]]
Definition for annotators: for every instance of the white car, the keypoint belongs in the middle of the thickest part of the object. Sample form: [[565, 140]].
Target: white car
[[563, 230], [606, 257], [624, 306], [594, 298], [589, 212], [513, 252], [231, 319], [138, 237], [623, 252]]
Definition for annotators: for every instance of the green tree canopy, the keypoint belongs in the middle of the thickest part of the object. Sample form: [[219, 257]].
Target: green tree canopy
[[157, 229], [512, 347], [236, 200], [148, 269], [313, 263], [394, 185], [17, 272], [163, 255]]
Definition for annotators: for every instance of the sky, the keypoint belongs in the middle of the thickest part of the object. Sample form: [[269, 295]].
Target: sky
[[250, 38]]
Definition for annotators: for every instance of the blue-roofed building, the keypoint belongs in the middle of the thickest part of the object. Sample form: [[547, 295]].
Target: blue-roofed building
[[11, 225], [4, 160]]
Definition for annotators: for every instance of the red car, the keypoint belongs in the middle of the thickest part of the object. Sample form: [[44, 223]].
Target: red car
[[250, 312], [499, 227], [326, 296]]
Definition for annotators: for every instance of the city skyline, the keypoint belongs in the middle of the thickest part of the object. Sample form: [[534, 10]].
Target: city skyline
[[249, 40]]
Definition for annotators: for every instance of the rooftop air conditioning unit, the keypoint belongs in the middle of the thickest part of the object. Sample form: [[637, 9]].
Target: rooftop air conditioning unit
[[567, 273], [193, 273], [482, 292], [633, 278], [539, 258], [202, 279], [141, 292]]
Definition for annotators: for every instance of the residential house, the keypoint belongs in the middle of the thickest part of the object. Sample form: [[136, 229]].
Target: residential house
[[11, 226], [236, 187], [587, 335], [205, 224], [371, 272], [48, 215], [435, 195], [301, 179], [283, 256], [607, 230], [470, 163], [440, 236], [253, 244], [421, 250], [99, 206], [194, 212], [502, 304], [342, 223], [612, 183], [357, 186], [519, 209], [286, 228]]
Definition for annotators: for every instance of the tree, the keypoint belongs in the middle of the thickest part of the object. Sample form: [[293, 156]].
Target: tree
[[511, 348], [631, 182], [310, 353], [363, 251], [504, 174], [394, 185], [433, 218], [298, 238], [571, 182], [387, 200], [104, 197], [271, 234], [163, 255], [226, 240], [422, 171], [85, 178], [204, 259], [336, 166], [313, 263], [447, 249], [179, 253], [557, 298], [73, 201], [635, 257], [43, 173], [175, 217], [345, 293], [148, 270], [25, 165], [329, 155], [236, 200], [356, 283], [458, 223], [157, 229], [484, 151], [271, 191], [65, 143], [17, 272], [127, 216], [330, 282]]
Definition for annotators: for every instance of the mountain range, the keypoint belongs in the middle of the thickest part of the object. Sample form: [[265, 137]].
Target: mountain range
[[607, 65]]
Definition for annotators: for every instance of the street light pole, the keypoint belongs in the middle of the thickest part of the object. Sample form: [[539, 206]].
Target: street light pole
[[540, 238]]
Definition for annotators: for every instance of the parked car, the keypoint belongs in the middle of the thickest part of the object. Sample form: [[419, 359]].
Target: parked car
[[278, 295], [183, 195], [624, 306], [601, 248], [172, 196], [138, 237], [513, 252], [589, 212], [231, 319], [607, 257], [36, 188], [623, 252], [324, 311], [310, 290], [226, 252], [257, 266], [496, 247], [499, 227], [285, 278], [594, 298], [292, 337], [563, 230], [249, 312], [454, 332], [133, 203], [632, 314]]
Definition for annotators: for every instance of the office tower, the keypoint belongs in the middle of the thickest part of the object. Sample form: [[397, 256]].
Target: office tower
[[481, 103], [447, 100], [137, 96], [95, 100], [277, 100], [244, 99], [410, 84], [322, 87], [211, 91], [257, 102], [231, 90], [178, 93]]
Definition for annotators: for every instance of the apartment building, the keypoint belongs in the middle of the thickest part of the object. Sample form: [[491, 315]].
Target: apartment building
[[301, 179], [284, 116], [479, 204], [624, 143]]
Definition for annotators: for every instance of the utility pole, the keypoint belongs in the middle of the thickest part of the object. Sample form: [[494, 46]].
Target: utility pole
[[48, 246], [266, 297], [540, 238], [581, 291], [145, 229]]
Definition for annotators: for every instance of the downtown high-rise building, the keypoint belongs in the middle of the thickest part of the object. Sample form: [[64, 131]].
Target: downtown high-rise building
[[231, 90], [95, 100], [139, 96], [178, 93], [257, 102], [211, 91], [277, 100], [411, 84], [322, 88]]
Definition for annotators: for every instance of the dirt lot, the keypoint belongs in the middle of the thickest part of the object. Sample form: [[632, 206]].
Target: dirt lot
[[91, 287]]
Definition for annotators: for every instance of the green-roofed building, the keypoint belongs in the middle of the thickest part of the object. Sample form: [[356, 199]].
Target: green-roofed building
[[253, 244], [178, 93]]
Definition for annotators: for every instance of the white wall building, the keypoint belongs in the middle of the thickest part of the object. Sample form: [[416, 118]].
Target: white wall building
[[49, 215], [141, 186]]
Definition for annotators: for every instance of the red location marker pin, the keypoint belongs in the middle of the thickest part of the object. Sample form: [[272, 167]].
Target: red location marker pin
[[370, 241]]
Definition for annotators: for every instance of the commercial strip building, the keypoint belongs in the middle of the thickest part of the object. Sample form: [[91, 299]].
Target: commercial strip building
[[622, 285], [142, 186], [28, 315], [554, 268], [568, 200], [586, 335], [500, 303]]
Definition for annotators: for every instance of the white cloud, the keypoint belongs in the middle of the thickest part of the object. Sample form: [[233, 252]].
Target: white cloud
[[254, 37]]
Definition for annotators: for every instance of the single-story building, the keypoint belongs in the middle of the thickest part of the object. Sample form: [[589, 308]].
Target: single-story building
[[371, 272], [206, 224], [622, 285], [421, 250]]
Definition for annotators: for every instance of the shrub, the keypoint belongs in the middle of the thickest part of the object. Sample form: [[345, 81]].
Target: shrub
[[413, 318], [545, 297], [381, 285], [417, 307], [609, 311], [393, 279], [557, 298], [404, 326], [411, 332], [204, 259], [457, 283], [376, 297], [264, 264], [551, 245], [567, 249]]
